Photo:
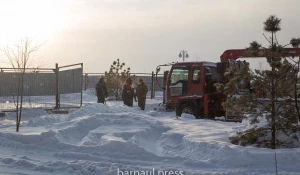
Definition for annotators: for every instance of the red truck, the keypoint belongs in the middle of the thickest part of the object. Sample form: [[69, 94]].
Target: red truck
[[189, 86]]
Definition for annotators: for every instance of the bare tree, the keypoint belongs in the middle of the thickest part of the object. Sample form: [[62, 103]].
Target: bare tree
[[20, 58]]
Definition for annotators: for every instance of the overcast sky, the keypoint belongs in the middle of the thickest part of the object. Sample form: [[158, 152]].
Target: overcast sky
[[141, 33]]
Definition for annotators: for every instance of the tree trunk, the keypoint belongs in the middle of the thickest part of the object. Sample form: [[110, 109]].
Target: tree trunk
[[117, 87], [17, 105], [273, 114], [21, 101]]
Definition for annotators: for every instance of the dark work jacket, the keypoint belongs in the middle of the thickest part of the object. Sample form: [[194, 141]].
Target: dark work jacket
[[101, 89], [141, 90], [127, 94]]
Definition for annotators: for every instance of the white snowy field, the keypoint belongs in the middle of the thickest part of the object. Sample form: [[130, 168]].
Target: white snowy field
[[113, 139]]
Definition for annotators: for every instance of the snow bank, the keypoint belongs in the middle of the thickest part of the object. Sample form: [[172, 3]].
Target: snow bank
[[102, 139]]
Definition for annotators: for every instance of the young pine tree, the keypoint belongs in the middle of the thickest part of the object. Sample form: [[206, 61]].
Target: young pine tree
[[115, 77], [272, 98]]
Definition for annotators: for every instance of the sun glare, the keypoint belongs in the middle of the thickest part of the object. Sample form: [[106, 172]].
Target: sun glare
[[35, 19]]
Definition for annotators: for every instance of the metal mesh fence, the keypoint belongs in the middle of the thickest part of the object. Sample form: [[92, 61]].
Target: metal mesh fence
[[70, 88], [40, 88], [35, 86]]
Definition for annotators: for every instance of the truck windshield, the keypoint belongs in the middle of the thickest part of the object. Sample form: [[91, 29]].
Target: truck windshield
[[178, 74]]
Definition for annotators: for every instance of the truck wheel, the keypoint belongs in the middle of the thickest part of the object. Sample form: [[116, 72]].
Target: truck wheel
[[188, 109]]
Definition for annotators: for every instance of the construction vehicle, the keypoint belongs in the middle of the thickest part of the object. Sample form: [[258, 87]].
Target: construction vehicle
[[189, 86]]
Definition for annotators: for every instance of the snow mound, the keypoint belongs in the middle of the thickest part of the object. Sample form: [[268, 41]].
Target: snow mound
[[100, 139], [187, 116]]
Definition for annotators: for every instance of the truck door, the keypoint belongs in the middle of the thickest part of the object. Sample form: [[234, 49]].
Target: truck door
[[179, 81], [196, 87]]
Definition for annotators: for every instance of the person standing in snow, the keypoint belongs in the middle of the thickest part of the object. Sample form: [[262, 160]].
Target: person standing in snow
[[132, 93], [101, 90], [141, 92], [127, 93]]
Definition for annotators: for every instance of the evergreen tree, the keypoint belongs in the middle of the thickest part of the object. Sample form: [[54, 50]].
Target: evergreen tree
[[296, 43], [272, 25], [115, 77], [272, 98]]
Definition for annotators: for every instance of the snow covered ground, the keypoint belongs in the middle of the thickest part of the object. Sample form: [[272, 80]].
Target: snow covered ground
[[113, 139]]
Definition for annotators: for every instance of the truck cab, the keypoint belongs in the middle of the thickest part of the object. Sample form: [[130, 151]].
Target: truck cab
[[190, 85]]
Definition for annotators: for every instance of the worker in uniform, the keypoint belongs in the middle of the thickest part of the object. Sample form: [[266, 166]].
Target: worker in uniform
[[141, 92], [101, 90], [127, 93], [132, 93]]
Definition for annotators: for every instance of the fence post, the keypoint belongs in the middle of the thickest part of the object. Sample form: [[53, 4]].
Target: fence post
[[81, 85], [57, 103], [86, 81], [152, 86]]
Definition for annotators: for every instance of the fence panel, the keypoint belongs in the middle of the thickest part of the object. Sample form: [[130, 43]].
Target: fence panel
[[38, 90], [70, 87]]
